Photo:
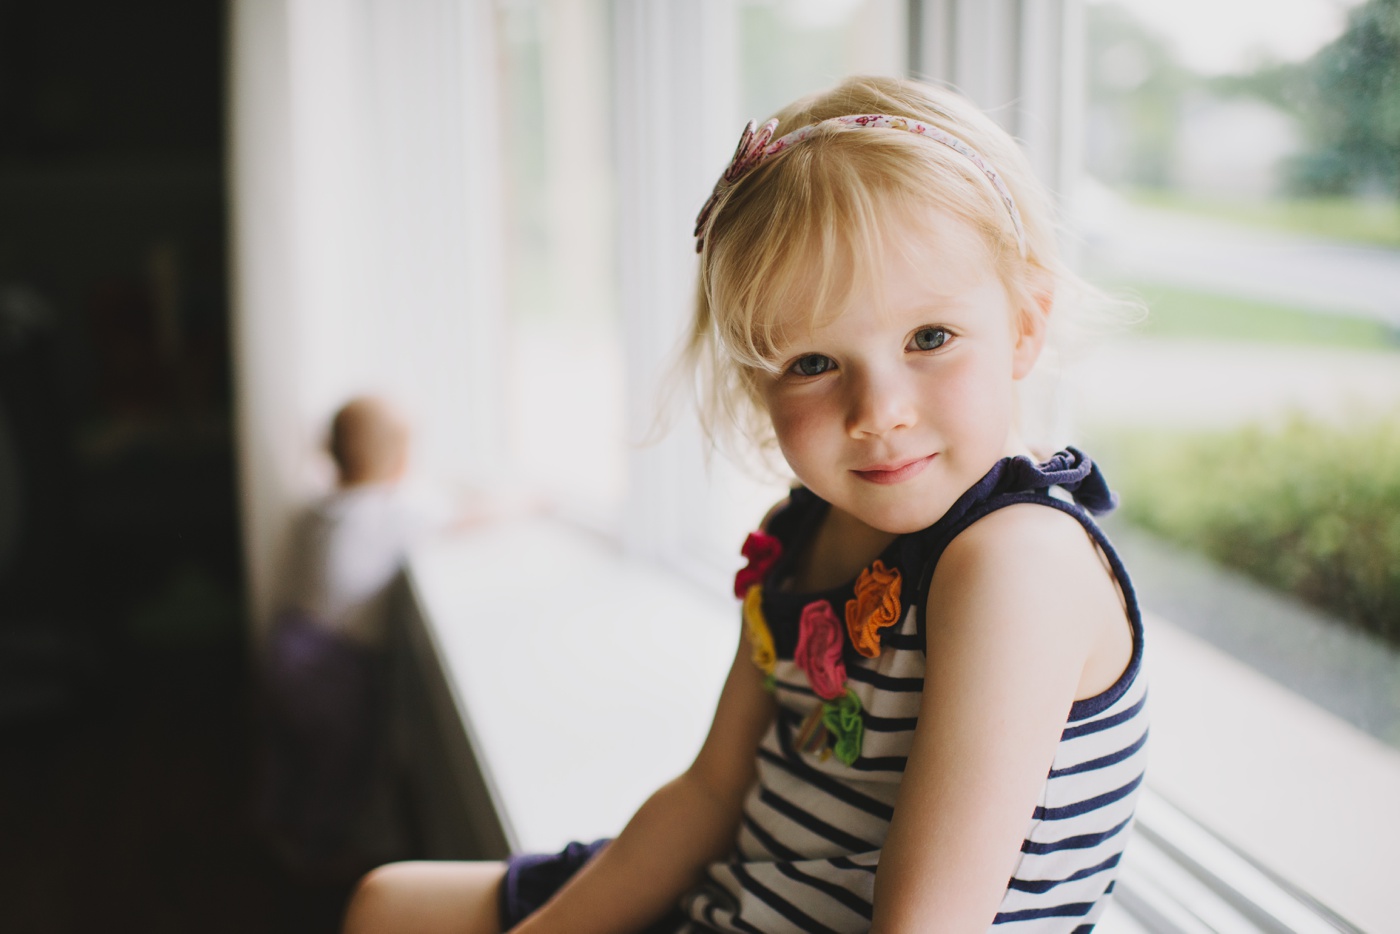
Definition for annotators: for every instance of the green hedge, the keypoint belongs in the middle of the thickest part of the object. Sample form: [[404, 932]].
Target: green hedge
[[1309, 508]]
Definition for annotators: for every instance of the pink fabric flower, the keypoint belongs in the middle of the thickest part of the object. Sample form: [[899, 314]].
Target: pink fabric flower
[[762, 550], [820, 638]]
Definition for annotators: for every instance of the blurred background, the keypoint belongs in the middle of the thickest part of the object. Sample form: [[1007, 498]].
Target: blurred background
[[219, 220], [122, 616]]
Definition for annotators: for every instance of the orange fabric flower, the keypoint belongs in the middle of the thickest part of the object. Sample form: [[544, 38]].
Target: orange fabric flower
[[876, 606], [760, 639]]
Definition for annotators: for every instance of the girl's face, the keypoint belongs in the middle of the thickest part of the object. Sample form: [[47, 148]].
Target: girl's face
[[892, 409]]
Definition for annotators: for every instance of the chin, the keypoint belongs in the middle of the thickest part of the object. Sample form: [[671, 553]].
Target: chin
[[903, 521]]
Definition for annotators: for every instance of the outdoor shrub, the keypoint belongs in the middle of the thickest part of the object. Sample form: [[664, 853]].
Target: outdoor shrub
[[1310, 508]]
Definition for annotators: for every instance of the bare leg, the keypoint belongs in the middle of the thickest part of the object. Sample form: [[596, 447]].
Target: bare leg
[[427, 898]]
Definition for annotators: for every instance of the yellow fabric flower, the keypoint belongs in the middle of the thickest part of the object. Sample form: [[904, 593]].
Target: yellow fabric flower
[[760, 639]]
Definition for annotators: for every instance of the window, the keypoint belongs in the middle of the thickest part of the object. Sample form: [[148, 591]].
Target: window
[[565, 378], [1241, 178], [1221, 168], [622, 117], [788, 48]]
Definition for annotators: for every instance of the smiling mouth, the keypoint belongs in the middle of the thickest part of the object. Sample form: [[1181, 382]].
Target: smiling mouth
[[896, 472]]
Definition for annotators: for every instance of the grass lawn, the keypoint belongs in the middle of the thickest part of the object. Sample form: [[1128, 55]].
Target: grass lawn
[[1311, 508], [1186, 313], [1350, 219]]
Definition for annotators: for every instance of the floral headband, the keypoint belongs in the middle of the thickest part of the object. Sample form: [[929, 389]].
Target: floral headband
[[757, 144]]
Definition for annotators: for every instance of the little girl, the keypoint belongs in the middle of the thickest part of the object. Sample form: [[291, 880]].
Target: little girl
[[938, 686]]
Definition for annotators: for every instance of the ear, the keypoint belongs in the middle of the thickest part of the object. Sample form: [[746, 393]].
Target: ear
[[1032, 323]]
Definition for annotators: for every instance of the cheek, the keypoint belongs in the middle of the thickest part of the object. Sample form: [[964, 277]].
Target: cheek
[[792, 421], [978, 394], [799, 424]]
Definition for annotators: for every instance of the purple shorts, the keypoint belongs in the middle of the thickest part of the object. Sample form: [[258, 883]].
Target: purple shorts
[[531, 878]]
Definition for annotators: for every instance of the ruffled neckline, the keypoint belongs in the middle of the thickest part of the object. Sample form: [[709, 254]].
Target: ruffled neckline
[[807, 627], [1071, 470]]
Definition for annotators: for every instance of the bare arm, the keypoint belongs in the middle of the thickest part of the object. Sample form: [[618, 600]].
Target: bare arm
[[688, 823], [1022, 602]]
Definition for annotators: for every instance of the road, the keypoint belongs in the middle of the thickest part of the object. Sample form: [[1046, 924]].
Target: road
[[1216, 384], [1160, 246]]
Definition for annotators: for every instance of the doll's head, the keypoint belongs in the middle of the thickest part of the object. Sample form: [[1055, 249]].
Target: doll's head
[[368, 442], [807, 228]]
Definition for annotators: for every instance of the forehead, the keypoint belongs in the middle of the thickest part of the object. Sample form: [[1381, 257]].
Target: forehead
[[915, 260]]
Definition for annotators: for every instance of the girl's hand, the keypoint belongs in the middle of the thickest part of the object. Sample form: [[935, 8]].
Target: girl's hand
[[687, 824], [1025, 620]]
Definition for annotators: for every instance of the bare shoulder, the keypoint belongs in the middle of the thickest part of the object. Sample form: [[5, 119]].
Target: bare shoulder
[[1032, 540], [1014, 625], [1033, 572]]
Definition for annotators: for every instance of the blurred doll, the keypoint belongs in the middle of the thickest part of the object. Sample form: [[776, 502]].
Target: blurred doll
[[323, 666]]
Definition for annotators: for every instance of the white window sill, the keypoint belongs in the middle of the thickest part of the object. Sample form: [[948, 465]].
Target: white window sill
[[1305, 793], [575, 682], [583, 681]]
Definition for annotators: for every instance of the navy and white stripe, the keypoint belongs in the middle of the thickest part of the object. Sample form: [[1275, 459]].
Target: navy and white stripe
[[813, 828]]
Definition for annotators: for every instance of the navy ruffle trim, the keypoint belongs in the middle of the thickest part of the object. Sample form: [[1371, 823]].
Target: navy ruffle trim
[[1071, 469]]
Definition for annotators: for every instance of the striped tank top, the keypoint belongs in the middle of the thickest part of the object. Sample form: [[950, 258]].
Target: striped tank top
[[830, 765]]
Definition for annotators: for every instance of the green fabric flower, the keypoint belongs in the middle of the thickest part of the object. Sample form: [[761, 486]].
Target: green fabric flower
[[842, 719]]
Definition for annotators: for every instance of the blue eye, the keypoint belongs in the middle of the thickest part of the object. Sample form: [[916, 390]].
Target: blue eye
[[814, 364], [928, 339]]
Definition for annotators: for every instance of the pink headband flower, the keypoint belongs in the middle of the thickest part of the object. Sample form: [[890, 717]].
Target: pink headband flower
[[747, 154], [755, 146]]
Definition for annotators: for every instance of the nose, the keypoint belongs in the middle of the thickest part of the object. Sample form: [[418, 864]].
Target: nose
[[879, 403]]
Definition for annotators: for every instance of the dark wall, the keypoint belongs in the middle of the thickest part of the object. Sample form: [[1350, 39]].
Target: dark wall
[[117, 508], [87, 80]]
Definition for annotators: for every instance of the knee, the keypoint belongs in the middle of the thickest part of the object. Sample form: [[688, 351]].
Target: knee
[[377, 900], [426, 898]]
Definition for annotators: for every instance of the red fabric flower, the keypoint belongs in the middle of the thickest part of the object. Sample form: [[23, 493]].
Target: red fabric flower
[[876, 606], [820, 639], [762, 550]]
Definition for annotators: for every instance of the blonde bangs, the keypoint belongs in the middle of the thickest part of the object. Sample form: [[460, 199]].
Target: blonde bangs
[[797, 242]]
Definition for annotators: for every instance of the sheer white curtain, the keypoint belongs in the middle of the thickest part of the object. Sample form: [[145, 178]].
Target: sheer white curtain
[[363, 161]]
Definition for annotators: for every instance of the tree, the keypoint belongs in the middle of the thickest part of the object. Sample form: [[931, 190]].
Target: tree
[[1349, 104], [1136, 89]]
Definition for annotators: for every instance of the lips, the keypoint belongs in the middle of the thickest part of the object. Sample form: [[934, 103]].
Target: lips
[[895, 472]]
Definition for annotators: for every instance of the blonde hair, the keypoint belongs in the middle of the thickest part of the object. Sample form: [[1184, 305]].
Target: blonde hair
[[809, 225]]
